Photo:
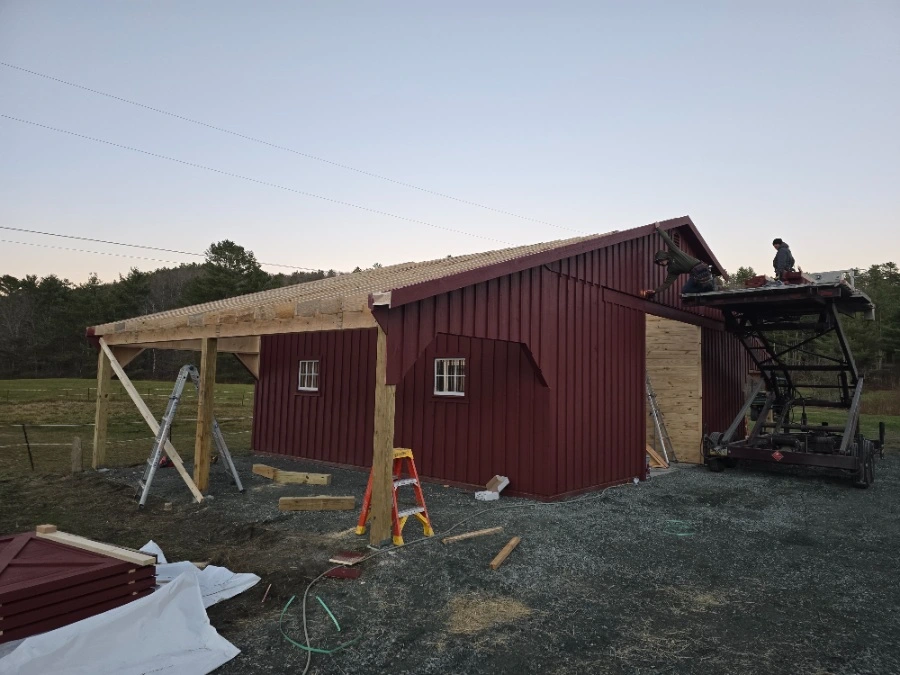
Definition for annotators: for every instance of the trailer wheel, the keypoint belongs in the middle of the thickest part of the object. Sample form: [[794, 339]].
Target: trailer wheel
[[716, 465], [865, 475]]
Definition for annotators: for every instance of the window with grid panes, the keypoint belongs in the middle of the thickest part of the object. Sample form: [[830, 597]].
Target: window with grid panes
[[309, 376], [449, 377]]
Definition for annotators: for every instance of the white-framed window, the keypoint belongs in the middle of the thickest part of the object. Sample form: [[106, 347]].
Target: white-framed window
[[309, 376], [450, 377]]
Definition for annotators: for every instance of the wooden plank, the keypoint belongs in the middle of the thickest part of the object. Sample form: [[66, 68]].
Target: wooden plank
[[250, 362], [234, 345], [471, 535], [45, 529], [73, 540], [302, 478], [656, 460], [101, 413], [504, 552], [125, 355], [346, 320], [316, 503], [203, 440], [674, 364], [150, 420], [265, 471], [383, 449]]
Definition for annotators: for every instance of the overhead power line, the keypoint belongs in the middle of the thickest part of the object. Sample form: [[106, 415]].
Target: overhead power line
[[82, 250], [251, 180], [143, 246], [282, 147]]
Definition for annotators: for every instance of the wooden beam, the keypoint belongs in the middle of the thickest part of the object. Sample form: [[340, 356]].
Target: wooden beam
[[250, 362], [471, 535], [504, 552], [244, 328], [265, 471], [76, 455], [117, 552], [232, 345], [203, 441], [125, 355], [383, 448], [302, 478], [316, 503], [101, 414], [149, 419]]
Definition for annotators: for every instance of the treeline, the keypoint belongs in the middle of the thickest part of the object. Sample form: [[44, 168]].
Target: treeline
[[875, 344], [43, 320]]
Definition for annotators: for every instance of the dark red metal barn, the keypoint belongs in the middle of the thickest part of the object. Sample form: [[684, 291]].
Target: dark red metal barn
[[551, 340]]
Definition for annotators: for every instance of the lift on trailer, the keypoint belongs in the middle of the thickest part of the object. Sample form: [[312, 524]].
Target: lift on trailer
[[787, 331]]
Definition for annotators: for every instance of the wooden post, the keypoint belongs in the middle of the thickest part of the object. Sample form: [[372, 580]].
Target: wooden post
[[203, 440], [76, 455], [101, 416], [383, 449]]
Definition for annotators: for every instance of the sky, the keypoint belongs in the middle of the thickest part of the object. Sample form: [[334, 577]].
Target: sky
[[757, 119]]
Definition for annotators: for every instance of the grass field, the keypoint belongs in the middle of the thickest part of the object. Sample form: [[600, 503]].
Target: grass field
[[40, 403]]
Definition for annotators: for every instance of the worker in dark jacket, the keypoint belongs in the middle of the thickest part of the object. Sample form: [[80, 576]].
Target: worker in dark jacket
[[677, 262], [784, 261]]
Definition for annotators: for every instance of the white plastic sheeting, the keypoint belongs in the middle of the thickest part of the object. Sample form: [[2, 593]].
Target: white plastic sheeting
[[164, 633], [216, 583]]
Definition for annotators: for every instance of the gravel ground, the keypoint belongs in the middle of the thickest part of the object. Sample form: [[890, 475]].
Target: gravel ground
[[762, 570]]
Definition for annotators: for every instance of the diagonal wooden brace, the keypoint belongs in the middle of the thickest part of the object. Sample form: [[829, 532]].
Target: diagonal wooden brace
[[150, 419]]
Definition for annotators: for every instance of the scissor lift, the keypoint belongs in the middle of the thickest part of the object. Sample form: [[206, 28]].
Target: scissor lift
[[794, 335]]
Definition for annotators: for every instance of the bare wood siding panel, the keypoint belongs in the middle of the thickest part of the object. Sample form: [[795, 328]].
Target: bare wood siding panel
[[674, 358]]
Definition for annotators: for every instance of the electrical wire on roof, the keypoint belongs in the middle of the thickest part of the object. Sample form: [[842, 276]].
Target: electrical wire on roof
[[284, 148], [252, 180], [143, 246]]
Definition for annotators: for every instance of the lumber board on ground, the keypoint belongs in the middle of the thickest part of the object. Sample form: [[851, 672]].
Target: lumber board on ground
[[117, 552], [291, 477], [504, 552], [302, 478], [265, 471], [316, 503], [471, 535]]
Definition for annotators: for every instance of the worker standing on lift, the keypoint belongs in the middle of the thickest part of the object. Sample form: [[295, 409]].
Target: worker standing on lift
[[784, 260], [677, 262]]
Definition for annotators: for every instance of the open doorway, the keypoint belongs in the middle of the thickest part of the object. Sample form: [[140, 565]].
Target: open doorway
[[674, 365]]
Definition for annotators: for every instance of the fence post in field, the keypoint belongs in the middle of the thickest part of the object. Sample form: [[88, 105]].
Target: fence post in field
[[76, 455], [28, 445]]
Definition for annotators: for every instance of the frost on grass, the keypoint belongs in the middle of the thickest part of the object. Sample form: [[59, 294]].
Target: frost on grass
[[473, 613]]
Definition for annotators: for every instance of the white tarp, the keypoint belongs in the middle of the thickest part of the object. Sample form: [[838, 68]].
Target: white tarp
[[216, 583], [164, 633]]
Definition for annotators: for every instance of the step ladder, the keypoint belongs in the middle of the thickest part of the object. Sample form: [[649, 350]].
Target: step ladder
[[159, 443], [398, 516], [659, 425]]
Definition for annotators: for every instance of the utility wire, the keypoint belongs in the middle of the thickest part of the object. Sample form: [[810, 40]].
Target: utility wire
[[82, 250], [282, 147], [253, 180], [118, 243]]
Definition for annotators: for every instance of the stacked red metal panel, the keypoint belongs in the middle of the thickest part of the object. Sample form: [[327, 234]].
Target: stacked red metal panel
[[46, 585]]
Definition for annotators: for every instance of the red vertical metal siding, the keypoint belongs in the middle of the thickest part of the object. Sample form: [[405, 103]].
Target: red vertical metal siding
[[725, 370], [555, 378], [334, 424]]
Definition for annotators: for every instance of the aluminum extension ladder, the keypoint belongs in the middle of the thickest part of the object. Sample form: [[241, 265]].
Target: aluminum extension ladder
[[159, 443], [659, 425]]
